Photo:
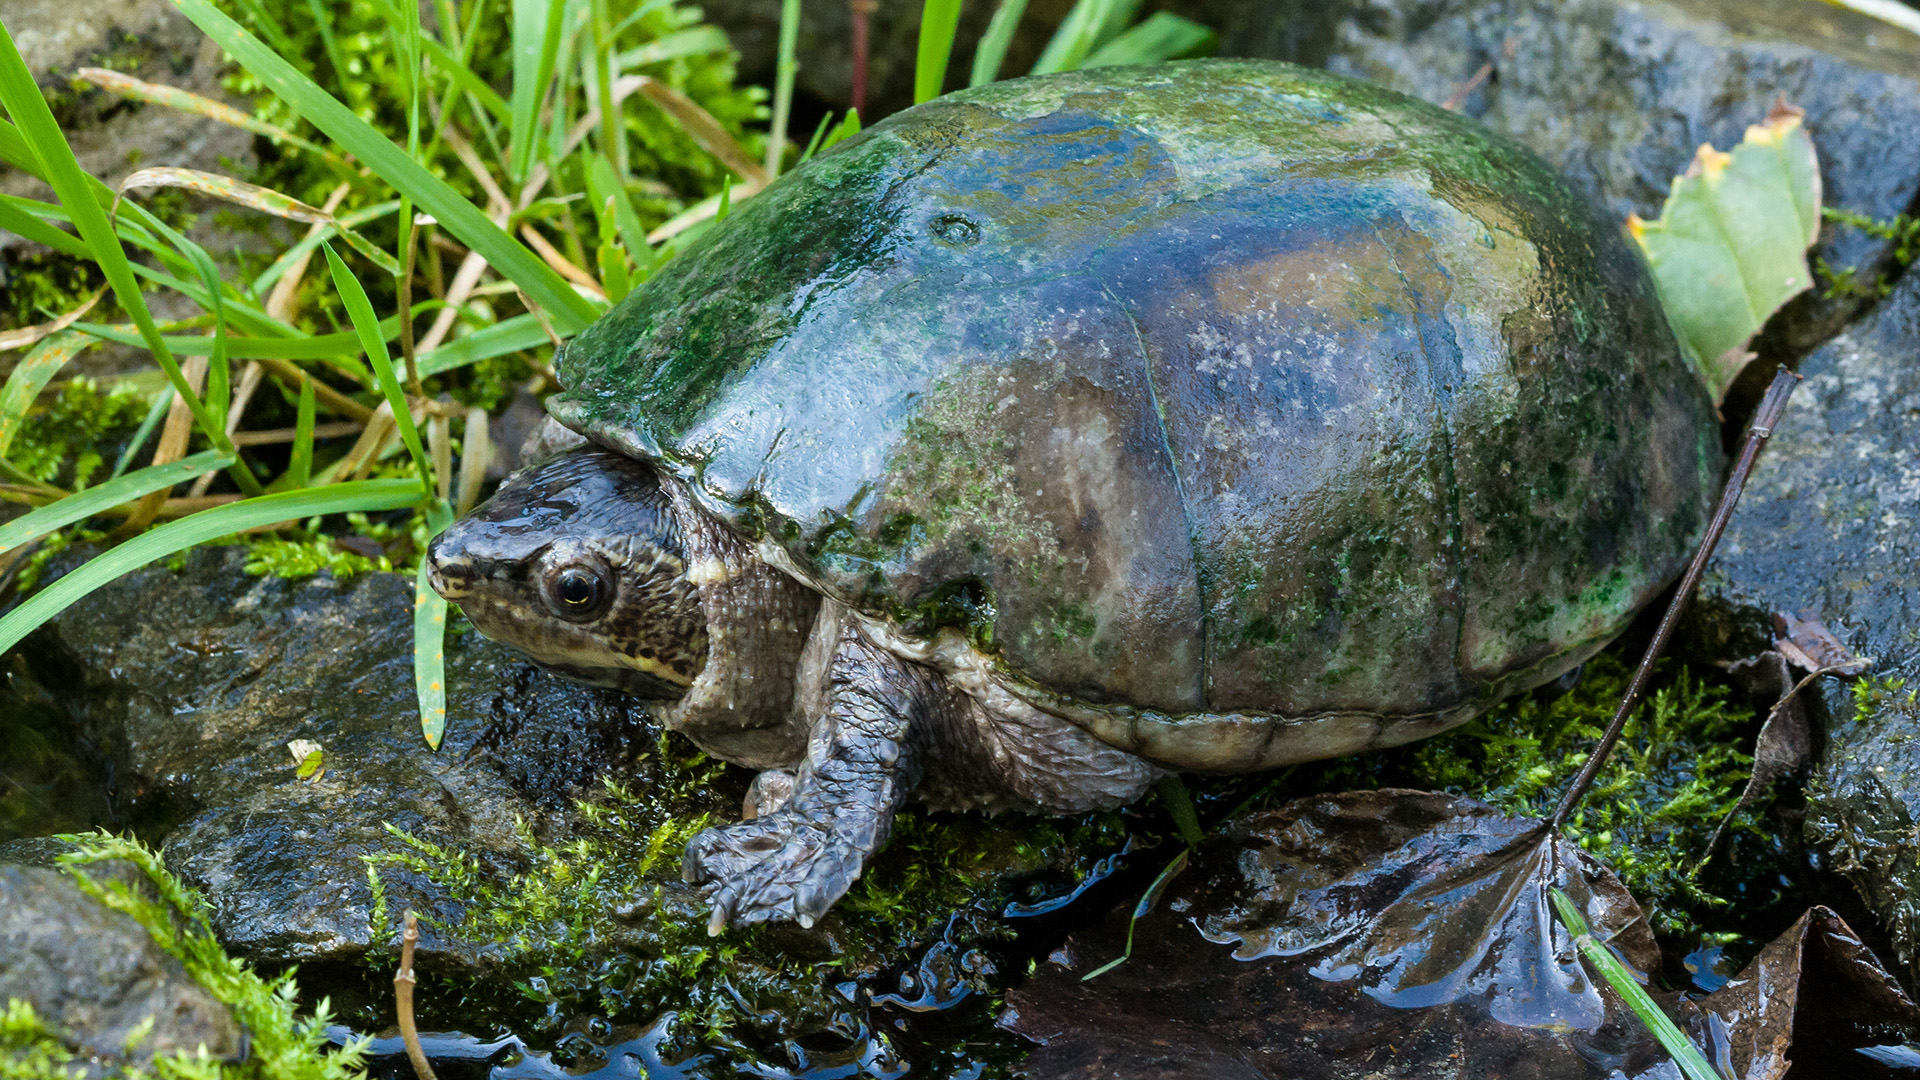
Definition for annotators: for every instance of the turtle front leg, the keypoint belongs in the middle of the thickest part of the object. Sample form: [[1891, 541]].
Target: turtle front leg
[[863, 760]]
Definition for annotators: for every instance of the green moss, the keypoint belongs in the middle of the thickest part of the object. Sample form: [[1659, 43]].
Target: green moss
[[284, 1044], [38, 286], [1902, 231], [557, 940], [80, 431]]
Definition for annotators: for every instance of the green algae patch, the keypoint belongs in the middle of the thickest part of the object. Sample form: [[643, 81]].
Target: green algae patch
[[597, 923], [285, 1045]]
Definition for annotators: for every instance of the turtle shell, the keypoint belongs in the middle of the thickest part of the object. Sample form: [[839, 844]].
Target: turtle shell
[[1220, 392]]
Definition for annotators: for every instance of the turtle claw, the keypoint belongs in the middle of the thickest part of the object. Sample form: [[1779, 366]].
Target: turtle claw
[[773, 868]]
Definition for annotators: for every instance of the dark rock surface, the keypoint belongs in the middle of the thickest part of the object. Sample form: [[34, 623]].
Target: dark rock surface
[[96, 976], [1831, 522], [194, 682], [1618, 94]]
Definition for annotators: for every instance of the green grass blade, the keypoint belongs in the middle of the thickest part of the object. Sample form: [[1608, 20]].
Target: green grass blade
[[506, 336], [29, 377], [939, 21], [603, 184], [568, 310], [992, 50], [1163, 36], [536, 45], [323, 22], [465, 79], [25, 225], [1693, 1064], [1081, 32], [219, 385], [79, 507], [1173, 795], [1148, 901], [813, 144], [361, 496], [300, 463], [429, 639], [42, 138], [848, 127], [156, 412], [306, 244], [699, 41], [360, 311], [788, 65]]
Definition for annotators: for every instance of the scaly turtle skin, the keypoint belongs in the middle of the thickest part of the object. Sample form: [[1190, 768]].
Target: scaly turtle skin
[[1206, 416]]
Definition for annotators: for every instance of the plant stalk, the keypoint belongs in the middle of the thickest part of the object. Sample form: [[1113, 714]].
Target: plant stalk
[[403, 983], [1764, 419]]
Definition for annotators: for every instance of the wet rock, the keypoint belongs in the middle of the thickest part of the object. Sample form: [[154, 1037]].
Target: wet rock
[[96, 976], [148, 39], [1618, 94], [1831, 522], [196, 707]]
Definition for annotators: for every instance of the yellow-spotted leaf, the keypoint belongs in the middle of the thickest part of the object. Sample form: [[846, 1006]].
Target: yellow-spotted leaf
[[1730, 246], [173, 97], [255, 197], [30, 375], [429, 639]]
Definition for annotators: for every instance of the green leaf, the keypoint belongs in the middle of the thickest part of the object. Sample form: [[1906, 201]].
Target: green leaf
[[79, 507], [939, 20], [362, 496], [1148, 900], [1091, 24], [784, 71], [1163, 36], [848, 127], [698, 41], [1693, 1064], [992, 50], [567, 309], [1730, 246], [465, 79], [300, 463], [360, 311], [603, 186], [429, 638], [25, 225], [503, 337], [536, 45], [30, 376]]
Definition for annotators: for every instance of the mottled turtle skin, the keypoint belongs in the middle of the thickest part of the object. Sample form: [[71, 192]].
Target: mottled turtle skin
[[1206, 416]]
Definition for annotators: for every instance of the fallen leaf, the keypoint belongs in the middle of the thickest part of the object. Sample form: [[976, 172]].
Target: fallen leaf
[[1807, 643], [1730, 245], [1334, 939], [308, 760]]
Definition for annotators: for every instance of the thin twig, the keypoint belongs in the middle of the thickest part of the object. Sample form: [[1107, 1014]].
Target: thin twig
[[403, 983], [1769, 412]]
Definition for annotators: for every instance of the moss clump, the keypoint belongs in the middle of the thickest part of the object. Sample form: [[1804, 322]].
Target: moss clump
[[80, 432], [598, 923], [285, 1045], [1678, 771]]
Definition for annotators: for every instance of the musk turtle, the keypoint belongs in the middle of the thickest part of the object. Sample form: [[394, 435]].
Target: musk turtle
[[1064, 431]]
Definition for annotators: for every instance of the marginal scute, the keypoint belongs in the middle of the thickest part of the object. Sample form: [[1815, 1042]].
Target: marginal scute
[[1254, 414]]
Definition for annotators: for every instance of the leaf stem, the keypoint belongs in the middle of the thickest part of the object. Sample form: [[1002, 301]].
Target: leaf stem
[[1764, 419]]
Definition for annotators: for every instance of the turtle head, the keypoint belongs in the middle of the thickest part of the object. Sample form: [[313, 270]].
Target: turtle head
[[579, 563]]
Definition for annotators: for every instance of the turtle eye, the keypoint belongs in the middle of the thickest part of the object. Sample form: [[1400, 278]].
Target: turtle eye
[[577, 593]]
